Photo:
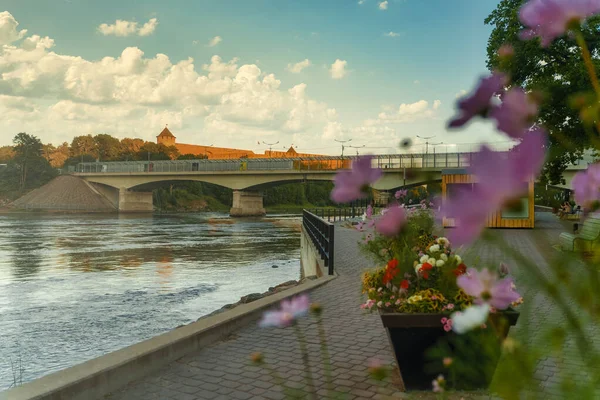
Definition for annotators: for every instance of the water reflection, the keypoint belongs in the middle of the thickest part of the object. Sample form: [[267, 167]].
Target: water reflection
[[75, 287]]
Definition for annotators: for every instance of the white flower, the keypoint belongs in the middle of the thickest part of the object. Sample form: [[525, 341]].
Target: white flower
[[380, 304], [383, 211], [424, 259], [443, 241], [439, 263], [458, 259], [418, 268], [435, 248], [470, 318], [444, 257], [431, 261]]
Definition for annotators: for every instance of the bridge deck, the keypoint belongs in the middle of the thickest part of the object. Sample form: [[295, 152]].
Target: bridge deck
[[224, 371]]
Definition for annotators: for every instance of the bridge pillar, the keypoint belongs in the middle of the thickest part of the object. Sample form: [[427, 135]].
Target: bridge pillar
[[247, 204], [135, 201]]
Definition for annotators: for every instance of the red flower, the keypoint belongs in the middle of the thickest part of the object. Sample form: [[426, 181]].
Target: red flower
[[461, 269], [404, 284], [425, 275], [426, 267], [391, 271]]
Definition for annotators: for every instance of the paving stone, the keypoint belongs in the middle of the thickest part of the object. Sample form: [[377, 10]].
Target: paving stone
[[223, 370]]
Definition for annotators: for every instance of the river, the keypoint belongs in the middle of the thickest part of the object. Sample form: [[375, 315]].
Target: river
[[76, 287]]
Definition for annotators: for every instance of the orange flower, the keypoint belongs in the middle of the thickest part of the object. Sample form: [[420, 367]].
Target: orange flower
[[404, 284], [461, 269]]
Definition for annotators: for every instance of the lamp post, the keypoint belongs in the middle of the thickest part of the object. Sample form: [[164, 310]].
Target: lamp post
[[356, 147], [342, 142], [426, 142], [270, 147]]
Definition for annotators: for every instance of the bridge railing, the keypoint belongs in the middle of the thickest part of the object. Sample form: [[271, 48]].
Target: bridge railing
[[322, 234], [388, 161]]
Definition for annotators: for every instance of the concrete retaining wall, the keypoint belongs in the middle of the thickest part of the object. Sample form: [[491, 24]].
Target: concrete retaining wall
[[98, 377], [135, 201], [310, 260]]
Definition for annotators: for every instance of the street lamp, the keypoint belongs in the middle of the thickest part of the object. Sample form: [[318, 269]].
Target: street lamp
[[342, 142], [356, 147], [426, 142], [270, 147]]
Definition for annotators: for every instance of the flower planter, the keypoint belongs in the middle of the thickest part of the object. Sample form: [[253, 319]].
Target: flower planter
[[411, 335]]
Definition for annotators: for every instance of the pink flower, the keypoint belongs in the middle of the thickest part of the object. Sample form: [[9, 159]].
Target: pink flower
[[586, 185], [549, 19], [369, 212], [391, 222], [478, 103], [288, 313], [360, 226], [516, 113], [444, 320], [500, 178], [486, 288], [447, 327], [400, 194], [353, 184], [450, 306]]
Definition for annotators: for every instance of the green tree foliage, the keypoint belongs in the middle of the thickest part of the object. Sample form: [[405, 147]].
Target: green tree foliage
[[82, 145], [557, 72], [108, 148], [28, 168], [156, 152], [192, 157]]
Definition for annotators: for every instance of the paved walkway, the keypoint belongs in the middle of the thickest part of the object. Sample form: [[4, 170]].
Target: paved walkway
[[224, 371]]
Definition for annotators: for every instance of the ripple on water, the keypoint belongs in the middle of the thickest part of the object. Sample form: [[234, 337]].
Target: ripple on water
[[74, 288]]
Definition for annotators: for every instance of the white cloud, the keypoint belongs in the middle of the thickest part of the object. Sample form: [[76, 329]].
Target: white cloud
[[391, 34], [124, 28], [195, 42], [299, 66], [8, 29], [406, 112], [361, 2], [215, 41], [383, 5], [338, 69], [58, 95], [148, 28], [417, 82]]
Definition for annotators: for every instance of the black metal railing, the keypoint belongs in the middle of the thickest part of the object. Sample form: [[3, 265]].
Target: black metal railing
[[339, 214], [322, 234]]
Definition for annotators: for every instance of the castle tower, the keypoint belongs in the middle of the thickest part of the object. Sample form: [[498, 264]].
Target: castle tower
[[166, 138]]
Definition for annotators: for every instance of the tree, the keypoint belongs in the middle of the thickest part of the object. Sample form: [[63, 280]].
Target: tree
[[192, 157], [108, 148], [557, 72], [29, 165], [7, 153], [129, 148], [82, 145], [157, 152], [56, 156]]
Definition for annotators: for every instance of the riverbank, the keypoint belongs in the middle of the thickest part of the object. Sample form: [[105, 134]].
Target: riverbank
[[75, 287]]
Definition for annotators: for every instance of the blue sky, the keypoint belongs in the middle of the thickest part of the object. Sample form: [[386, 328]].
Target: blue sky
[[436, 50]]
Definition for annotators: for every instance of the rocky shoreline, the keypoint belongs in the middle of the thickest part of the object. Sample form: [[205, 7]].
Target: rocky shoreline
[[257, 296]]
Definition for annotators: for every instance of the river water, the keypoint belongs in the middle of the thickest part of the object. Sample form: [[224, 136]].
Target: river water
[[76, 287]]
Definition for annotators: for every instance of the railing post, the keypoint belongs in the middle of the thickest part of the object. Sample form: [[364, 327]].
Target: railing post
[[331, 248]]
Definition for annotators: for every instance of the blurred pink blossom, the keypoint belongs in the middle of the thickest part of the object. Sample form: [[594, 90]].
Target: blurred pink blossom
[[487, 288], [550, 19], [479, 102], [516, 113], [352, 185], [290, 310], [391, 222]]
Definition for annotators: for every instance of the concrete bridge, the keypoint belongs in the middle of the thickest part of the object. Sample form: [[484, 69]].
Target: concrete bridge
[[123, 182]]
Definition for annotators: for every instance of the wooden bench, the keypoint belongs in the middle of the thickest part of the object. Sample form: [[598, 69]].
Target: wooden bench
[[588, 236]]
